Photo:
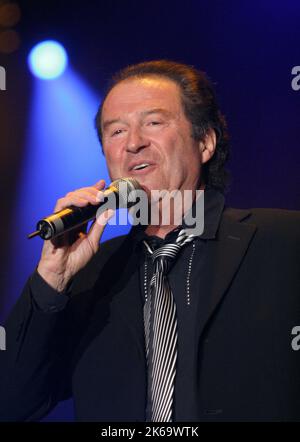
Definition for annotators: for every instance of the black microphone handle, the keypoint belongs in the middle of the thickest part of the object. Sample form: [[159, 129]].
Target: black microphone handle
[[71, 217]]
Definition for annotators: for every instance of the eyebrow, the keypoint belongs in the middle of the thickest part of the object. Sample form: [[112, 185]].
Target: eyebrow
[[145, 113], [108, 123], [157, 110]]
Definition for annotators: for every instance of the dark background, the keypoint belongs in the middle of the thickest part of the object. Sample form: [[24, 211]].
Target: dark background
[[247, 48]]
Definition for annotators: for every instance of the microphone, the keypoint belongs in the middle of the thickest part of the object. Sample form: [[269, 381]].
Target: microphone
[[120, 193]]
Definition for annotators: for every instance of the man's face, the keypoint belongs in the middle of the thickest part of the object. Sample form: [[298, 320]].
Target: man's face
[[143, 123]]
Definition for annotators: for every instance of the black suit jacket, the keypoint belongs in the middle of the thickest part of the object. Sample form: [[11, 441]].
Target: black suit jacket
[[94, 347]]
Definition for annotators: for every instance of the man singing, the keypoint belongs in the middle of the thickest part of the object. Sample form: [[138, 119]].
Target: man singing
[[161, 325]]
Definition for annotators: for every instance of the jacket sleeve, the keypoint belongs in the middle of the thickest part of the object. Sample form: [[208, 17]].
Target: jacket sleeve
[[35, 368], [43, 332]]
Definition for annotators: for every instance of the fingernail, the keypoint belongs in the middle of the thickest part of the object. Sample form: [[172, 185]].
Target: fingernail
[[105, 217]]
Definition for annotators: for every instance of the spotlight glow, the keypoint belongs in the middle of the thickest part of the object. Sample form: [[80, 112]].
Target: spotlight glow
[[47, 60]]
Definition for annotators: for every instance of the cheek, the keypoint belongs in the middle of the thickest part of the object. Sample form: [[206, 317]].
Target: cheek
[[176, 151], [185, 159], [113, 158]]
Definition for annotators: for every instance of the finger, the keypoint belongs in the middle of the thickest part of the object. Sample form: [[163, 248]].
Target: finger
[[97, 228], [99, 185], [73, 200], [104, 217], [87, 194], [92, 190], [76, 233], [100, 196]]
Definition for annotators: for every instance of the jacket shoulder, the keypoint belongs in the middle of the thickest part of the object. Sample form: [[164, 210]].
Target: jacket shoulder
[[281, 222]]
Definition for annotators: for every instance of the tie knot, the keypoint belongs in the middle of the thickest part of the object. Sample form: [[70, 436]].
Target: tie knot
[[165, 255], [168, 251]]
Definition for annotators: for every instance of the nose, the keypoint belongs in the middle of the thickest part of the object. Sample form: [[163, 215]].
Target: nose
[[135, 141]]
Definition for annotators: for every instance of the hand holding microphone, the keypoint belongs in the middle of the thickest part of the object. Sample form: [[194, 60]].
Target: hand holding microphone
[[63, 255], [120, 193]]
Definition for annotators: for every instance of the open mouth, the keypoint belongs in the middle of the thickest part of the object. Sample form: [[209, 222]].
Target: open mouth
[[141, 166]]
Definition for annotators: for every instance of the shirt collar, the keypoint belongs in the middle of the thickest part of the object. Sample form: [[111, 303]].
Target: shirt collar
[[214, 202]]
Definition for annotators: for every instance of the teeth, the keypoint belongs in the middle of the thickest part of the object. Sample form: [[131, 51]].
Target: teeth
[[140, 166]]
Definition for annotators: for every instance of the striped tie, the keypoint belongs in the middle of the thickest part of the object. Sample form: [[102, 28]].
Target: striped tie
[[161, 331]]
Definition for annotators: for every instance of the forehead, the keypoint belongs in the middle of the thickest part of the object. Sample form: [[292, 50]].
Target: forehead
[[135, 95]]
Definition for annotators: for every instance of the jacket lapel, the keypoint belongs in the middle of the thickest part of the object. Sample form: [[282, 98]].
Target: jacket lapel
[[224, 256]]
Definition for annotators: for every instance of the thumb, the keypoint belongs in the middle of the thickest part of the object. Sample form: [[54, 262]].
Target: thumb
[[97, 228]]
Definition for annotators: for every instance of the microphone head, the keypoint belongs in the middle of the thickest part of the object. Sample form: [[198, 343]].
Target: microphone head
[[127, 190]]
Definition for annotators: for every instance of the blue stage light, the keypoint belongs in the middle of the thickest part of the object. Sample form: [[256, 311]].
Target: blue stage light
[[47, 60]]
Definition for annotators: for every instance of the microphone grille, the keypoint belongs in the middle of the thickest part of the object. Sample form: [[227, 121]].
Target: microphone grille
[[127, 188]]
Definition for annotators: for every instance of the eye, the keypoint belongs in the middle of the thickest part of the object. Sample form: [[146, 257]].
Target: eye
[[154, 123], [116, 132]]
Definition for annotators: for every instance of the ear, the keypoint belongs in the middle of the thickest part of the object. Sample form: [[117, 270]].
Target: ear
[[208, 146]]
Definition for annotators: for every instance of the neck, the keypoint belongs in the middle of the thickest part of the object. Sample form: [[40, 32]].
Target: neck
[[161, 229]]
